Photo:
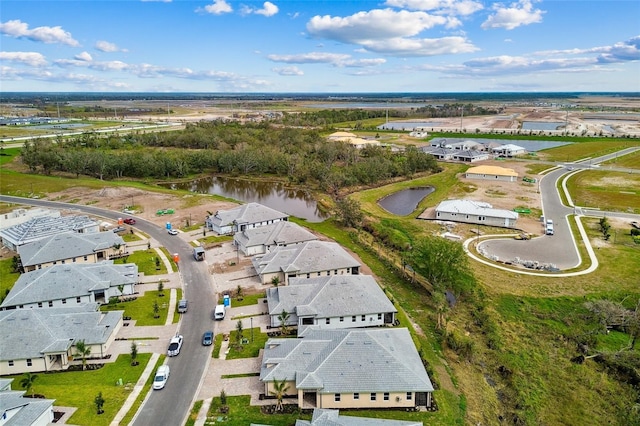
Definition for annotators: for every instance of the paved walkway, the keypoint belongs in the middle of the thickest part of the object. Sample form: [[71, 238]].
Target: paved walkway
[[137, 388]]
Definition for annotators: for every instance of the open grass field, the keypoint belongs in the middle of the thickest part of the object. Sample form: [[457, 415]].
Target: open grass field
[[606, 190], [588, 149]]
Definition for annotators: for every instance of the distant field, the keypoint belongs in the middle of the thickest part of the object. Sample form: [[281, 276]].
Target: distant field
[[582, 150], [606, 190], [630, 161]]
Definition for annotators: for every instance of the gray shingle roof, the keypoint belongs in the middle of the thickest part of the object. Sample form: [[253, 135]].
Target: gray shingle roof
[[246, 213], [41, 227], [324, 297], [29, 333], [65, 246], [279, 233], [27, 410], [312, 256], [324, 417], [474, 208], [69, 281], [344, 361]]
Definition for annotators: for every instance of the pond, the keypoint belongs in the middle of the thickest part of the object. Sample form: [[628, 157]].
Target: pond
[[294, 202], [541, 125], [406, 201]]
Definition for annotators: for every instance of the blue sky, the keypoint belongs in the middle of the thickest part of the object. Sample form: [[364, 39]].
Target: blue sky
[[320, 46]]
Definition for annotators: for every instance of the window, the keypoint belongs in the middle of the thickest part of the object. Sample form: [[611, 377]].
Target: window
[[356, 396], [308, 275], [373, 396], [341, 319], [353, 318], [379, 317], [50, 303], [328, 273], [327, 321], [86, 258], [64, 301], [363, 318], [63, 262], [318, 273], [385, 396], [39, 304], [74, 260], [39, 266], [335, 272], [29, 363], [55, 262], [78, 299], [409, 396], [336, 397], [10, 363]]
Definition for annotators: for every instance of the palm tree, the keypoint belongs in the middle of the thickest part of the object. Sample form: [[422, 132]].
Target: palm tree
[[27, 382], [283, 318], [239, 334], [280, 389], [84, 351], [275, 281], [99, 402]]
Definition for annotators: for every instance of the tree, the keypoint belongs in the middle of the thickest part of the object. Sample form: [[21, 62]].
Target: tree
[[84, 351], [156, 309], [275, 281], [160, 288], [27, 382], [348, 212], [605, 228], [283, 318], [134, 353], [280, 389], [99, 402], [239, 334], [239, 292]]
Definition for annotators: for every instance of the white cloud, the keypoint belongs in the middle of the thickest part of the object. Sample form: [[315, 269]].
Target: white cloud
[[625, 51], [268, 9], [447, 7], [33, 59], [288, 71], [217, 8], [105, 46], [513, 16], [18, 29], [335, 59], [421, 47], [84, 56]]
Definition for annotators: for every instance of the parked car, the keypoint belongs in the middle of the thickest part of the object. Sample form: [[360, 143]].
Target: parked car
[[130, 221], [172, 232], [218, 313], [207, 338], [161, 377], [182, 306], [175, 344], [549, 228], [119, 229]]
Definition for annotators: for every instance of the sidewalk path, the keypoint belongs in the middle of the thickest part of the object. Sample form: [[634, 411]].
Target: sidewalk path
[[136, 390]]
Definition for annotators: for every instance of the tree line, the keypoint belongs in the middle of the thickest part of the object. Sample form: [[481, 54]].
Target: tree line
[[302, 156]]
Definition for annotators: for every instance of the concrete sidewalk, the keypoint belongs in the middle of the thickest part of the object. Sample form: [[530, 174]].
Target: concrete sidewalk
[[137, 389]]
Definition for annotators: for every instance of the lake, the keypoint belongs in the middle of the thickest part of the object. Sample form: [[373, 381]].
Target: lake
[[294, 202], [406, 201]]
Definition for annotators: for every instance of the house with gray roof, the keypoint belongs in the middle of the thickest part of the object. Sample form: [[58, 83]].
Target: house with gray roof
[[470, 156], [71, 284], [477, 212], [16, 410], [71, 247], [263, 239], [246, 216], [325, 417], [44, 339], [441, 153], [21, 215], [508, 150], [41, 227], [335, 302], [341, 369], [309, 259]]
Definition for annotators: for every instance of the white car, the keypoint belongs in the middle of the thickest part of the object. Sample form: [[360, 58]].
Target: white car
[[161, 377], [172, 232], [175, 344]]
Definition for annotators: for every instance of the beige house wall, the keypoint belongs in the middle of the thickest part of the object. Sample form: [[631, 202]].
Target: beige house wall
[[20, 366], [290, 386], [347, 400], [90, 258]]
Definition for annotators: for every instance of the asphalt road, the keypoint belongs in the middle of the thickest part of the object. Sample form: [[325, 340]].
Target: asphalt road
[[169, 406], [560, 249]]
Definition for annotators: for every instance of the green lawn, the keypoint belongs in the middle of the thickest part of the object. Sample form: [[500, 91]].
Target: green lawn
[[141, 309], [79, 388], [7, 278], [148, 262], [252, 348], [606, 190]]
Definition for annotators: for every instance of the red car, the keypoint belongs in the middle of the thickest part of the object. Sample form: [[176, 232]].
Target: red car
[[130, 221]]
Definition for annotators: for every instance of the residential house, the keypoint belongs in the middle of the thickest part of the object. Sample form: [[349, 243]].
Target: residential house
[[341, 369], [246, 216], [71, 247], [476, 212], [508, 150], [470, 156], [16, 410], [324, 417], [70, 284], [44, 339], [502, 174], [309, 259], [338, 301], [41, 227], [263, 239], [18, 216], [440, 153]]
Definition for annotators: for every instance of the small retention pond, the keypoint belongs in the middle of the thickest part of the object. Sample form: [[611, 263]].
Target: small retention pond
[[406, 201]]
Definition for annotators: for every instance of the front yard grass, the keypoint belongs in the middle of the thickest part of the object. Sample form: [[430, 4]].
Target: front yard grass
[[146, 261], [251, 349], [7, 277], [79, 388], [141, 309]]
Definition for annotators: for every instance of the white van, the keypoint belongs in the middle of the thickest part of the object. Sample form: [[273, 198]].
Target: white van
[[549, 228], [218, 314], [161, 377]]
